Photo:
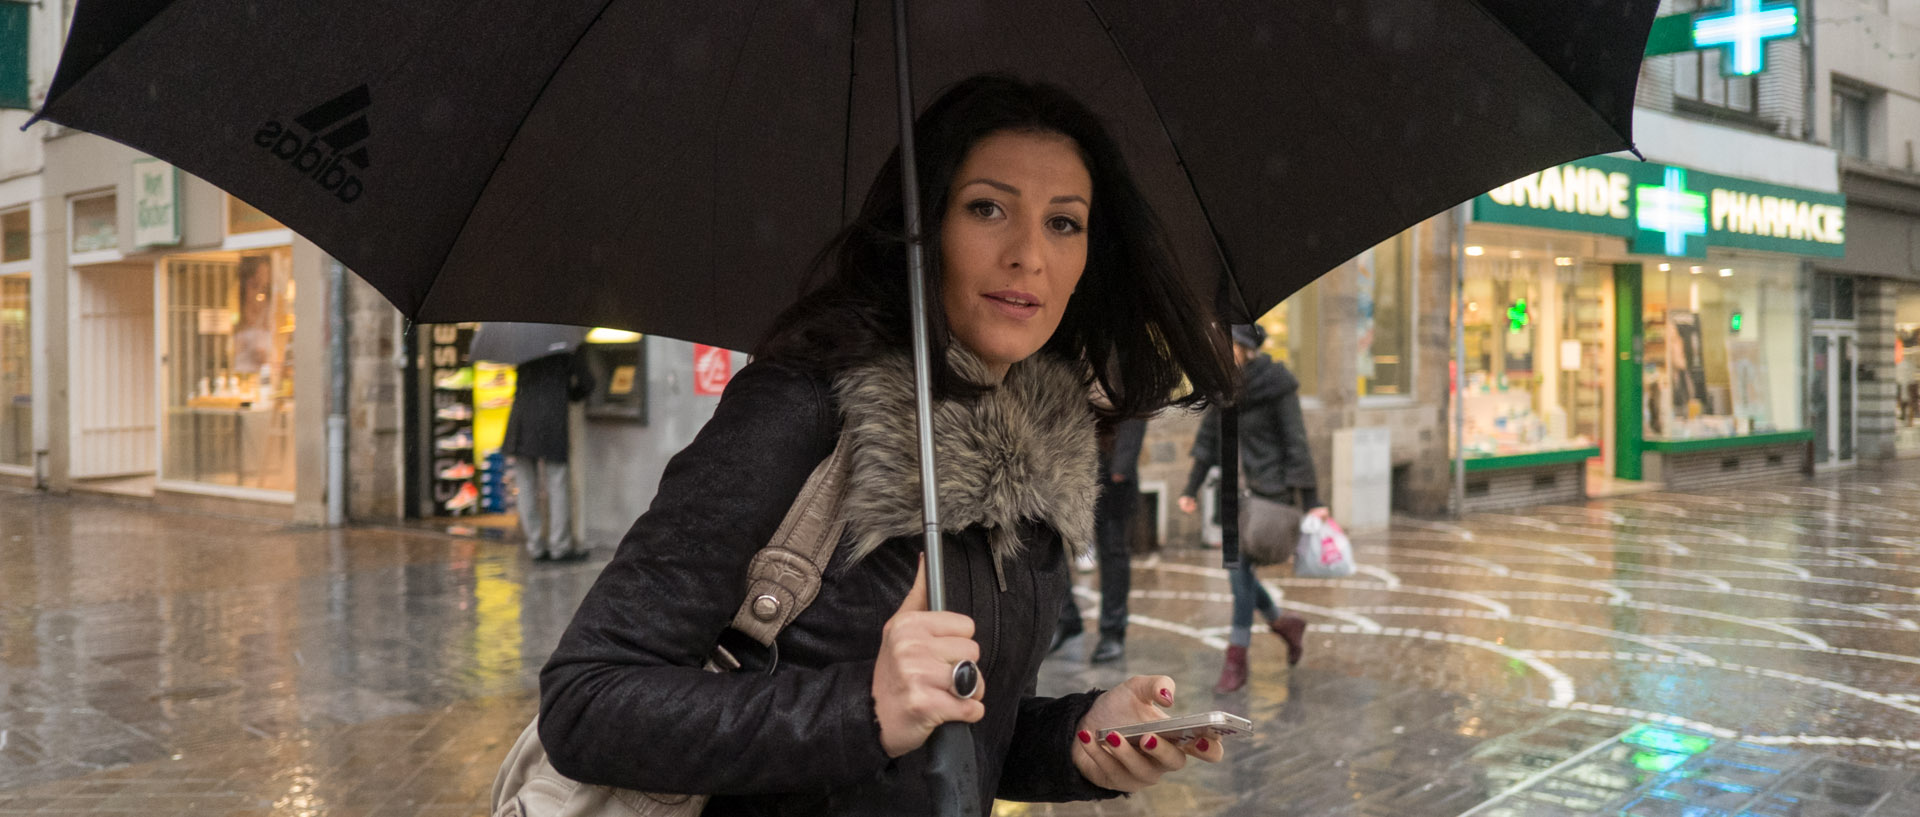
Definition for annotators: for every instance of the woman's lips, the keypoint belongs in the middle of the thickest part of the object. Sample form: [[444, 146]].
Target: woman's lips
[[1017, 305]]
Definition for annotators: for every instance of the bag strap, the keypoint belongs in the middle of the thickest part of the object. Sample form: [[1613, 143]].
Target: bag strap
[[784, 577]]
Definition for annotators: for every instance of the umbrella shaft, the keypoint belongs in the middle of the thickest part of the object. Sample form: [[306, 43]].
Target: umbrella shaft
[[917, 287]]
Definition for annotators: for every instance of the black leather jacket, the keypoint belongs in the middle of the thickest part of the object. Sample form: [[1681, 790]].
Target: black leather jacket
[[1273, 436], [623, 701]]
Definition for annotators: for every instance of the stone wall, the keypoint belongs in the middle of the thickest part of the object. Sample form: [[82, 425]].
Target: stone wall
[[374, 426], [1877, 400]]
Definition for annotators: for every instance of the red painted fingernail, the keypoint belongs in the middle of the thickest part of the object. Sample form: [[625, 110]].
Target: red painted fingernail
[[1166, 695], [1113, 739], [1152, 741], [1086, 736], [1201, 744]]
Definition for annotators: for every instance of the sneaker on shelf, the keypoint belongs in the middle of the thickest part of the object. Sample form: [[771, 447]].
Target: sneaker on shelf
[[456, 412], [458, 441], [496, 403], [458, 470], [460, 380], [464, 499]]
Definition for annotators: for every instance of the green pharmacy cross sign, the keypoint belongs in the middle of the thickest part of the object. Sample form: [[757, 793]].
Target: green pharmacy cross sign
[[1741, 31], [1672, 216]]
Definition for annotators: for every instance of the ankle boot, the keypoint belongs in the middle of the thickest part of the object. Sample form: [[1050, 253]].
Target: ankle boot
[[1233, 674], [1293, 630]]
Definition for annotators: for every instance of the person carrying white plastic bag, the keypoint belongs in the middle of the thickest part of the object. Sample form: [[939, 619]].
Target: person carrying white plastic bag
[[1324, 552]]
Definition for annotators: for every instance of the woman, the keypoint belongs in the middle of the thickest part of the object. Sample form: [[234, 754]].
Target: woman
[[1052, 275], [1279, 466]]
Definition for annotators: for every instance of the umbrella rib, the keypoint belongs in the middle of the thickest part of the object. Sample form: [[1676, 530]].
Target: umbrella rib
[[1220, 251], [504, 150], [846, 129]]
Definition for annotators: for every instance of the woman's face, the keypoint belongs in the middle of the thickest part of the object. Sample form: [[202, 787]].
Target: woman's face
[[1014, 242]]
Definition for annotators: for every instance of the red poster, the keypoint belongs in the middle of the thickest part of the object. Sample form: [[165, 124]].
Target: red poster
[[712, 368]]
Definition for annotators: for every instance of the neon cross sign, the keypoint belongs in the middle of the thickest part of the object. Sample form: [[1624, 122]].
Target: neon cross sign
[[1672, 210], [1742, 31]]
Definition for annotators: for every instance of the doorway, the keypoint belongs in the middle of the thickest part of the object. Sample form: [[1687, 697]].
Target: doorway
[[1832, 407], [112, 364]]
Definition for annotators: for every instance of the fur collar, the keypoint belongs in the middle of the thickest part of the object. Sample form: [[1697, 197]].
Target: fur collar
[[1023, 451]]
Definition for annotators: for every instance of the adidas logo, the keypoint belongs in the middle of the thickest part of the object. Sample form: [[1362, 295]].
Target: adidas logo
[[331, 146]]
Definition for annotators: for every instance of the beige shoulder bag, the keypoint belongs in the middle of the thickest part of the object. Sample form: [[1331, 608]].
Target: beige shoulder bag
[[782, 580]]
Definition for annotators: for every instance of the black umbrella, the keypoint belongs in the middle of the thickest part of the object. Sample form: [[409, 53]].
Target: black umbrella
[[672, 166], [517, 343]]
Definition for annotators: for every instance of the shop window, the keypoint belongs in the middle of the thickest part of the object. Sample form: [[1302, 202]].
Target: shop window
[[1851, 115], [16, 371], [1293, 336], [245, 218], [95, 224], [1906, 368], [16, 236], [1723, 347], [229, 389], [1534, 328], [1383, 292], [1833, 298]]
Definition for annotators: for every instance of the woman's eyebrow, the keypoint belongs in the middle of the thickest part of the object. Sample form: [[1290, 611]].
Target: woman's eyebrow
[[1001, 186], [1015, 191]]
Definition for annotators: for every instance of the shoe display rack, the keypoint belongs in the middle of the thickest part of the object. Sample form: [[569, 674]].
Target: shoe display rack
[[455, 491]]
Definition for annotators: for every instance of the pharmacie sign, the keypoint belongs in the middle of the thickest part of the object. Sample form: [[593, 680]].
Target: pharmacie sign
[[1669, 210]]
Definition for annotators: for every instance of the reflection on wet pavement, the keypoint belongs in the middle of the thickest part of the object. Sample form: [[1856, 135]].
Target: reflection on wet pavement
[[1750, 652]]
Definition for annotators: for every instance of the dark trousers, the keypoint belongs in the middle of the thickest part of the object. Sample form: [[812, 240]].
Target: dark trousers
[[1112, 513]]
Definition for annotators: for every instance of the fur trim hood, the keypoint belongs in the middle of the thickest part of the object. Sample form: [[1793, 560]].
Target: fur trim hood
[[1023, 451]]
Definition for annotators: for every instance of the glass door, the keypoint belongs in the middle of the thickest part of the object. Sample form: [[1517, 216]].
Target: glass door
[[1831, 409]]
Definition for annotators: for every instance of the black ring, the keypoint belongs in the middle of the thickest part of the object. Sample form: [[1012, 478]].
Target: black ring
[[966, 679]]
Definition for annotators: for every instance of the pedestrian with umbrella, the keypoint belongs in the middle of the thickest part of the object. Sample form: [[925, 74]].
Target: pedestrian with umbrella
[[673, 158], [1048, 269]]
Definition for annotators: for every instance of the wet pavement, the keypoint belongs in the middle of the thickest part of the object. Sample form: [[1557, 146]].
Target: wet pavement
[[1741, 652]]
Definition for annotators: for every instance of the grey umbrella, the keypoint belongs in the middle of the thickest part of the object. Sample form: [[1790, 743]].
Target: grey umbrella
[[516, 343]]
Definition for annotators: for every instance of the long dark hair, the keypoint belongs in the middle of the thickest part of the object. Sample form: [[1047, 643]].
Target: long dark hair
[[1132, 319]]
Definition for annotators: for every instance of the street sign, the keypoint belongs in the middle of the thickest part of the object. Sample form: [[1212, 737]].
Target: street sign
[[712, 369]]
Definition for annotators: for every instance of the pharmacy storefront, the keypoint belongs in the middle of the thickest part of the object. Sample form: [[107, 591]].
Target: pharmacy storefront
[[1633, 321]]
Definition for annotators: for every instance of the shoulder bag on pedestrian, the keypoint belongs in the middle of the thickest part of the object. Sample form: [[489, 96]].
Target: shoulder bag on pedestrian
[[1269, 529], [782, 580]]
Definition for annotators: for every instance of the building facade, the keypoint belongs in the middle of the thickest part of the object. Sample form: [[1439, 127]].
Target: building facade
[[1867, 106]]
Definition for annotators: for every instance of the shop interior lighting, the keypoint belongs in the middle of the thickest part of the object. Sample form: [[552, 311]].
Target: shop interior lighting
[[1696, 270], [1563, 261], [1665, 267], [1726, 273], [601, 334], [1473, 306], [1514, 253], [1476, 250]]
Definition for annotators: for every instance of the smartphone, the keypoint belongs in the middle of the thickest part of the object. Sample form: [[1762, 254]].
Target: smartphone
[[1215, 724]]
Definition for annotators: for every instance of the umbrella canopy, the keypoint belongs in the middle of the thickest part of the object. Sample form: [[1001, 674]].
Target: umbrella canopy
[[672, 167], [517, 343]]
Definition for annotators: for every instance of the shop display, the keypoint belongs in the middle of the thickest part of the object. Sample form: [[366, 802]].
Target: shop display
[[454, 491], [496, 484], [1532, 319], [229, 378], [1722, 350]]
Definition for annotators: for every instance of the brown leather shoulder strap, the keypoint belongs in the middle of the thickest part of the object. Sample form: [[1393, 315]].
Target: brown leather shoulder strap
[[784, 577]]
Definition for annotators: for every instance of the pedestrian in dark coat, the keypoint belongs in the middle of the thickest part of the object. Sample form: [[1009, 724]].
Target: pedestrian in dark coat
[[1119, 498], [1049, 277], [1275, 463], [536, 444]]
